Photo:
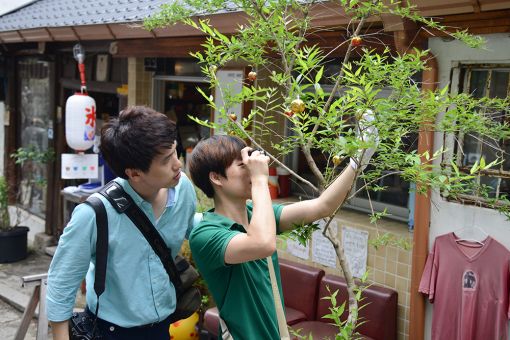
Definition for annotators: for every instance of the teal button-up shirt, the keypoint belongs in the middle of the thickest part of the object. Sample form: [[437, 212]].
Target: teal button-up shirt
[[138, 290]]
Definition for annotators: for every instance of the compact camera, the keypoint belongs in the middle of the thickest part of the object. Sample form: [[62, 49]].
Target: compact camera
[[261, 151]]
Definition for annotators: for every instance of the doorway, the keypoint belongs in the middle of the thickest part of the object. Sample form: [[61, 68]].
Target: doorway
[[178, 98], [36, 83]]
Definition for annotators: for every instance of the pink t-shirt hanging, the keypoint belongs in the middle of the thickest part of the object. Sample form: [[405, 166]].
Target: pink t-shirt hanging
[[469, 284]]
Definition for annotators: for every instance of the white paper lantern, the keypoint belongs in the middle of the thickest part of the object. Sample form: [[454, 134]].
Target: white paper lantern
[[80, 121]]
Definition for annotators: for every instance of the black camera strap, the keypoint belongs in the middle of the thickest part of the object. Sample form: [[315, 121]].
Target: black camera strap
[[101, 246], [123, 203]]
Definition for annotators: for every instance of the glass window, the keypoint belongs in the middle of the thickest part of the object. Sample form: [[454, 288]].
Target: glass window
[[35, 105], [486, 81], [395, 199]]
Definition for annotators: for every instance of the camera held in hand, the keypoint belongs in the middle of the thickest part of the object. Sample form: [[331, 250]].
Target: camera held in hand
[[262, 152]]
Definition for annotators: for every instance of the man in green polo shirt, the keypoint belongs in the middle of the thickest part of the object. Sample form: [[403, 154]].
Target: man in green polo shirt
[[231, 243]]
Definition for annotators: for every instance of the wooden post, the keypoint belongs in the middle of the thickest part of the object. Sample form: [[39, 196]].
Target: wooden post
[[42, 325], [27, 315], [422, 218], [38, 297]]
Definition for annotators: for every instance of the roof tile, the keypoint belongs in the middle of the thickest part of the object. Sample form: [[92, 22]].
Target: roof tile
[[60, 13]]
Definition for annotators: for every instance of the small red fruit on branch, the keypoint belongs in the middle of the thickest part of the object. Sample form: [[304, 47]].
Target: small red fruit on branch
[[356, 40], [288, 113]]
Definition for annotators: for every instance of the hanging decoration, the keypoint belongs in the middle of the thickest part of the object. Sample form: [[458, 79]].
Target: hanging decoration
[[80, 111]]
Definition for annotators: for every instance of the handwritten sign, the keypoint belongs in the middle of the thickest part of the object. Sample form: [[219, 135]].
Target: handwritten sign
[[355, 243], [79, 165], [322, 250], [297, 249]]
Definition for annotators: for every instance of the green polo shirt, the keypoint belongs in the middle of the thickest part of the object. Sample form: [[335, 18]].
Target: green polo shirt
[[242, 291]]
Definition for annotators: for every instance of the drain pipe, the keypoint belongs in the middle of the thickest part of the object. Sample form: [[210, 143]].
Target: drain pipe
[[422, 216]]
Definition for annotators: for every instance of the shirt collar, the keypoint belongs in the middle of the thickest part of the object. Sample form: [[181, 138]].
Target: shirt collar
[[171, 198], [138, 199], [223, 221]]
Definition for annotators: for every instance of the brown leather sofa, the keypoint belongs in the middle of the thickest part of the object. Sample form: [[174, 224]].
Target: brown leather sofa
[[377, 314], [300, 287], [303, 288]]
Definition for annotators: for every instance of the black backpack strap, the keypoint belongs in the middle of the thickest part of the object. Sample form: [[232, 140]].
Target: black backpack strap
[[123, 203], [101, 246]]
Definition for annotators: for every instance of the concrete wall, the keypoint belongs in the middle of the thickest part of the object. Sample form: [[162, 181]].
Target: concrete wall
[[448, 216], [139, 83]]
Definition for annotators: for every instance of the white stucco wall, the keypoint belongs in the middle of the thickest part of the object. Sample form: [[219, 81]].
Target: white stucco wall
[[447, 216]]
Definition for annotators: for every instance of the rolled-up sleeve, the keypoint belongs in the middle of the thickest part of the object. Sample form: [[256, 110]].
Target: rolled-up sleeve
[[70, 263]]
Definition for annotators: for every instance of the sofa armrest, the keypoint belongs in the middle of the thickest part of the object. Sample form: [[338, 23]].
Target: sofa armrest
[[212, 321], [293, 316], [300, 285]]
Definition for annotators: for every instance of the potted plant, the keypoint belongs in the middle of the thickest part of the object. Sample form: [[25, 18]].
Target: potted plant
[[13, 237]]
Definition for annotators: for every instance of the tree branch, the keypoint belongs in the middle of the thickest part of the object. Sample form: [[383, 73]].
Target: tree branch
[[337, 83], [353, 303], [375, 180], [275, 159]]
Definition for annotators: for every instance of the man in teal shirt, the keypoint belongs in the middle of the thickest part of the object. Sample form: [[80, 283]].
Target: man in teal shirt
[[231, 243], [140, 147]]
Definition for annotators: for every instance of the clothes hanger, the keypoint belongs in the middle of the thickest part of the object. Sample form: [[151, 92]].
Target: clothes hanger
[[471, 232]]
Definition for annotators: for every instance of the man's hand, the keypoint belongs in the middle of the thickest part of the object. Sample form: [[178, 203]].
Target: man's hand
[[367, 132], [60, 330], [259, 241], [257, 163]]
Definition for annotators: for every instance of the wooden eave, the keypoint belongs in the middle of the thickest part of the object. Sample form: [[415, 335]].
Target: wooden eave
[[226, 23], [475, 23], [483, 16], [449, 7]]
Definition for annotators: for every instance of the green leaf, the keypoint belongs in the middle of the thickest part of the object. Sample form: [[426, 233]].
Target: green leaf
[[318, 76], [474, 168], [455, 168]]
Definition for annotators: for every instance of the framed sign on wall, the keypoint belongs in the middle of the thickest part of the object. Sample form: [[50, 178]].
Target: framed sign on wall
[[102, 67]]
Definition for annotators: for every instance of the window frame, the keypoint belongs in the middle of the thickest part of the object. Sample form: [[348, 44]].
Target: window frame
[[23, 201], [460, 79], [395, 212]]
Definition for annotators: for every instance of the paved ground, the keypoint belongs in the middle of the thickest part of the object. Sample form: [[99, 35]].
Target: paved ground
[[10, 319], [14, 298]]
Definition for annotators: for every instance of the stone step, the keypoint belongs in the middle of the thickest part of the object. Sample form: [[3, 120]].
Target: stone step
[[50, 250], [15, 298]]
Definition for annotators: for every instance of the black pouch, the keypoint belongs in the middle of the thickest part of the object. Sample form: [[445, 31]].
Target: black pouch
[[189, 300], [83, 326]]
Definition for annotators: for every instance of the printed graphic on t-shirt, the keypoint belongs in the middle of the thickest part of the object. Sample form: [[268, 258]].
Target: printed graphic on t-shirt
[[469, 280]]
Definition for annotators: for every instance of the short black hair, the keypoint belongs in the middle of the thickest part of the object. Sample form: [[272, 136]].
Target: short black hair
[[134, 138], [214, 154]]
